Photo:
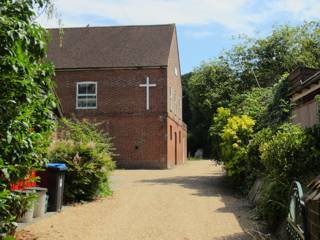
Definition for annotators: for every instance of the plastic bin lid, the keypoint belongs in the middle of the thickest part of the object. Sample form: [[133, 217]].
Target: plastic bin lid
[[59, 166]]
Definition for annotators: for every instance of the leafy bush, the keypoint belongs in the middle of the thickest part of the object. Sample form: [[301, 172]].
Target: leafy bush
[[235, 138], [287, 154], [26, 100], [219, 121], [290, 154], [273, 205], [252, 103], [13, 206], [254, 166], [279, 109], [87, 152]]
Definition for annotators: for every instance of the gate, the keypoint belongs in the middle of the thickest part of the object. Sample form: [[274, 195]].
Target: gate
[[297, 219]]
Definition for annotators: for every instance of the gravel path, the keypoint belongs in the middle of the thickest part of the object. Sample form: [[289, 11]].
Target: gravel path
[[188, 202]]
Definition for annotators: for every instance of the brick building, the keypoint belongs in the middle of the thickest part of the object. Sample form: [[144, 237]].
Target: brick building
[[128, 79], [304, 86]]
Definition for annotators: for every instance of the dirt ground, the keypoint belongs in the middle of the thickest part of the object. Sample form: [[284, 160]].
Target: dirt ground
[[188, 202]]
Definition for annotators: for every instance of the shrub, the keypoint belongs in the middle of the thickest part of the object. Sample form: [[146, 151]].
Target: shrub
[[13, 205], [286, 155], [253, 103], [254, 166], [279, 109], [289, 155], [235, 138], [87, 153], [219, 121], [273, 205]]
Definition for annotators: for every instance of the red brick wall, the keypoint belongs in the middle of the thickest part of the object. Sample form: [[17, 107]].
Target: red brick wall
[[174, 81], [118, 91], [174, 122], [141, 138], [176, 143], [138, 135]]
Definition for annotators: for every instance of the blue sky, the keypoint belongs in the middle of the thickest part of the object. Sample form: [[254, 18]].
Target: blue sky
[[205, 27]]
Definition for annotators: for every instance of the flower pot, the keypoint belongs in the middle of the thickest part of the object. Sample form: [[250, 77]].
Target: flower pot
[[40, 202], [28, 216]]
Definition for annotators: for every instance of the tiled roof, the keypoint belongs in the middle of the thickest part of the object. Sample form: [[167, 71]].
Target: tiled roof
[[111, 47]]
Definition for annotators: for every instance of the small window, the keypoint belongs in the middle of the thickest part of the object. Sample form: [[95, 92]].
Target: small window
[[170, 132], [176, 71], [179, 136], [86, 95]]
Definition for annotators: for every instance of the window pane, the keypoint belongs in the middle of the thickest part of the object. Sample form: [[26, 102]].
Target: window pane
[[91, 101], [87, 97], [86, 88], [91, 88], [87, 101], [82, 102], [82, 88]]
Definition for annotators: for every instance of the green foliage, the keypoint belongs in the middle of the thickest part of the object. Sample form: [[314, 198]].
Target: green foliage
[[87, 152], [254, 166], [209, 87], [229, 79], [235, 137], [252, 103], [287, 154], [273, 205], [268, 58], [13, 206], [26, 100], [290, 154], [279, 109], [219, 121]]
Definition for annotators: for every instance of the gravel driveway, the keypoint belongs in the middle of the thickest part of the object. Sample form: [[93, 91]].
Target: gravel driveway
[[188, 202]]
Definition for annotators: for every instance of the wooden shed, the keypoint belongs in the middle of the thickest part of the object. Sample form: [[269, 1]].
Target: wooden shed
[[304, 87]]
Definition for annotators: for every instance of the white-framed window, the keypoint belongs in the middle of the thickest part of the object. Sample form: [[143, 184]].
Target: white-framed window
[[86, 95]]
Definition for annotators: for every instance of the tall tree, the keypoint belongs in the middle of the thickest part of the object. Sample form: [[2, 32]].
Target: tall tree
[[254, 63]]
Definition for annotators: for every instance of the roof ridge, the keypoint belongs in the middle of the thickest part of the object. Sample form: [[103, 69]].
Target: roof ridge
[[118, 26]]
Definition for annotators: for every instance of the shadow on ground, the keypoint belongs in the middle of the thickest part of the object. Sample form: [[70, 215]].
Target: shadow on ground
[[216, 186]]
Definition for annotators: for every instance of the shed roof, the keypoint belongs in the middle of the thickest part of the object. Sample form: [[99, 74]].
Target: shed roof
[[111, 47], [302, 77]]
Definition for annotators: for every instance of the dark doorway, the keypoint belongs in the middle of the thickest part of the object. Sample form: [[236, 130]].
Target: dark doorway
[[175, 149]]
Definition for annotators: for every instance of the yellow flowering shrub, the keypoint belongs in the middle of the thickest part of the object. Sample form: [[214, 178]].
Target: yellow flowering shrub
[[235, 138]]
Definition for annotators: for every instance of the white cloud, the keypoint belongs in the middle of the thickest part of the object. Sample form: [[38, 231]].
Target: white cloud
[[235, 15], [194, 12], [298, 9]]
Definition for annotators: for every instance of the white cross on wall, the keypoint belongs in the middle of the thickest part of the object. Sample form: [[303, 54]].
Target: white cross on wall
[[147, 85]]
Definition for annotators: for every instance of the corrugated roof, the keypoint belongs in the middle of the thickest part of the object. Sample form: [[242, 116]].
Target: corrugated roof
[[111, 47]]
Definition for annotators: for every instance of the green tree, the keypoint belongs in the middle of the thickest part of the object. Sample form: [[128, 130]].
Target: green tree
[[254, 63], [266, 59], [210, 86], [26, 97]]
